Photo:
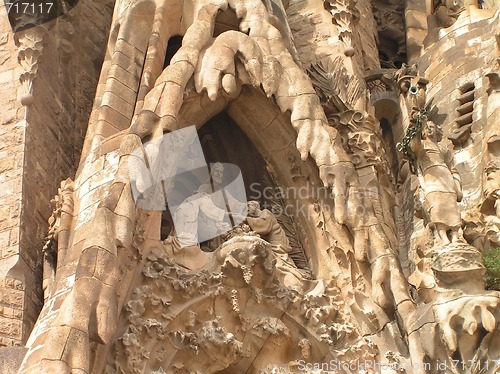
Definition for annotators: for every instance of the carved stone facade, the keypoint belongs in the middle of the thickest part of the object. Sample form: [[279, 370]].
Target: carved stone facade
[[361, 247]]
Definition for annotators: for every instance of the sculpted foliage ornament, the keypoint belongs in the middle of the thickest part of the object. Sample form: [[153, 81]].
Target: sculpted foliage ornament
[[30, 42], [228, 307], [57, 239]]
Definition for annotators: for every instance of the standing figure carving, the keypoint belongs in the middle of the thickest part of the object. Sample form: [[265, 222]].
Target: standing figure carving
[[440, 182]]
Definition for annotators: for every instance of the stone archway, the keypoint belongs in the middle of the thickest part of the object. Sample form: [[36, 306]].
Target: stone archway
[[272, 134], [222, 140], [217, 317]]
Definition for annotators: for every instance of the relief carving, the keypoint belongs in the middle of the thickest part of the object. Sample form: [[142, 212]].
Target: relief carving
[[447, 11], [208, 317], [131, 301], [219, 66], [440, 182], [336, 88], [57, 240], [392, 33]]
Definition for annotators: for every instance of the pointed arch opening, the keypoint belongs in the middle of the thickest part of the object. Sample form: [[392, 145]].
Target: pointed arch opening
[[274, 142]]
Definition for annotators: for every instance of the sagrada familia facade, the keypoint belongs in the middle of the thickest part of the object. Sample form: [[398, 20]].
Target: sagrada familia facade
[[364, 137]]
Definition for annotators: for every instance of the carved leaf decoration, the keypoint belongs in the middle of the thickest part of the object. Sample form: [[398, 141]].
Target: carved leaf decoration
[[323, 80], [333, 84]]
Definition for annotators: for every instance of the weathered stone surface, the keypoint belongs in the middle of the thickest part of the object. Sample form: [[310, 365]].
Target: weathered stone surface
[[372, 229], [11, 358]]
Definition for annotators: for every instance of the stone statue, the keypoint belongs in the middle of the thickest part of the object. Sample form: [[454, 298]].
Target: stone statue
[[440, 182], [447, 11], [490, 207], [188, 214], [220, 196], [221, 199], [264, 223], [183, 245]]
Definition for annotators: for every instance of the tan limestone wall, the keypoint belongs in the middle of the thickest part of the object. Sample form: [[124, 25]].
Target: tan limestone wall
[[416, 27], [312, 30], [12, 132], [315, 35], [42, 145], [365, 37]]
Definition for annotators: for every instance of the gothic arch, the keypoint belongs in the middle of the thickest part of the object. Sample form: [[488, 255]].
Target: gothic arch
[[271, 132]]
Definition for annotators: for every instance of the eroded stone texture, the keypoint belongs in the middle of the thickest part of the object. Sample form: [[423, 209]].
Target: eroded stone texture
[[390, 224]]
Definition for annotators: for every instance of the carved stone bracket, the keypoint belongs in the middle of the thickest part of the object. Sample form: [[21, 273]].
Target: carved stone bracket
[[466, 314], [380, 80], [30, 42], [345, 15]]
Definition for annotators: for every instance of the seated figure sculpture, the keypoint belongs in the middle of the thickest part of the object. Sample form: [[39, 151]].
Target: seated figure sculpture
[[184, 242], [222, 199], [220, 196], [264, 223], [189, 212], [440, 182]]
